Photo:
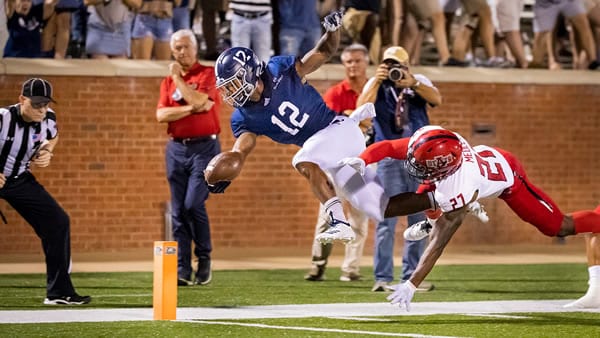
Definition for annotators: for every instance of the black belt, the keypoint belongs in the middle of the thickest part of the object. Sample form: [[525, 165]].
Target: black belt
[[190, 140], [18, 177], [250, 15]]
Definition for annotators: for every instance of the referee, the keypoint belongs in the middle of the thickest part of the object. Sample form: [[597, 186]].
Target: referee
[[28, 135]]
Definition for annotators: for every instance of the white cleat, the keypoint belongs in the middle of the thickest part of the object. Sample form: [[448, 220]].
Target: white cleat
[[338, 232], [591, 300], [477, 210], [418, 231]]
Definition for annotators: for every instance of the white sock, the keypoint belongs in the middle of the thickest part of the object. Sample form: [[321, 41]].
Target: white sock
[[594, 272], [333, 207]]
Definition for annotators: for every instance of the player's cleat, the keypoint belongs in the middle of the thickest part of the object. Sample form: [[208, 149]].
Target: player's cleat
[[591, 299], [315, 274], [350, 277], [418, 231], [337, 232], [68, 300], [478, 211], [380, 286]]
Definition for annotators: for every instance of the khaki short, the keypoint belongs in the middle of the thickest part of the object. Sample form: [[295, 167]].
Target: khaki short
[[508, 13], [353, 22]]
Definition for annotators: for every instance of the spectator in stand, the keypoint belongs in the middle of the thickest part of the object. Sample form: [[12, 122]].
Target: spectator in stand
[[580, 57], [24, 27], [210, 9], [57, 30], [477, 15], [109, 28], [508, 13], [361, 22], [152, 30], [429, 16], [545, 15], [190, 104], [251, 26], [401, 101], [299, 26], [3, 28], [181, 16], [342, 99]]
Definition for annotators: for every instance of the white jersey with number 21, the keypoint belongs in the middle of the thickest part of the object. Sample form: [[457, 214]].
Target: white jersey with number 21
[[483, 170]]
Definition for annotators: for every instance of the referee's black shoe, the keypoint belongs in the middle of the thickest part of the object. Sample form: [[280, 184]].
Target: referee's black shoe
[[68, 300]]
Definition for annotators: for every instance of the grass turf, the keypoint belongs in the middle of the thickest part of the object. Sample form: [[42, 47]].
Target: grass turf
[[233, 288]]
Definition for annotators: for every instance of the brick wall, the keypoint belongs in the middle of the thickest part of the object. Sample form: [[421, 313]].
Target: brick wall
[[108, 169]]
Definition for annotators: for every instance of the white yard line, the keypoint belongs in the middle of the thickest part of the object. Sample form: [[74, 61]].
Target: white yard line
[[316, 329], [74, 314]]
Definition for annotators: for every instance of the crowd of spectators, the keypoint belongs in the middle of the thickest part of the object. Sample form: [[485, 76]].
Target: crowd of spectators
[[489, 33]]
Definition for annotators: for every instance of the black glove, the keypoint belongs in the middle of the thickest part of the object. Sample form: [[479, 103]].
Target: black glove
[[333, 21], [219, 187]]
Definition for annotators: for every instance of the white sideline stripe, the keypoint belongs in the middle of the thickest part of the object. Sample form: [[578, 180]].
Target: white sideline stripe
[[316, 329], [66, 314], [495, 316], [360, 319]]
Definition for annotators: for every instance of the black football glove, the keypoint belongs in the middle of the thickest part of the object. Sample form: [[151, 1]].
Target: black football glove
[[333, 21], [219, 187]]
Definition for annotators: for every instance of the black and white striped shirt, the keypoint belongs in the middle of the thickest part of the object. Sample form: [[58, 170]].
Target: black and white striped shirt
[[20, 140], [251, 5]]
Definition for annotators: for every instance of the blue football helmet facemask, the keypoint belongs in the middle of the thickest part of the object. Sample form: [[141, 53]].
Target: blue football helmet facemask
[[237, 70]]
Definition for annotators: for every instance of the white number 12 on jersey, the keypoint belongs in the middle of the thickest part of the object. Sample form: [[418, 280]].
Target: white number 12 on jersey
[[288, 108]]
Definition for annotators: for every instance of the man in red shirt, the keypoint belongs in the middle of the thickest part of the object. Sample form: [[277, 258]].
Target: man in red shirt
[[189, 103], [342, 98]]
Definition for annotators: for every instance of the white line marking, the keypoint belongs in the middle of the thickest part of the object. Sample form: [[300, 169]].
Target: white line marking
[[316, 329], [360, 319], [66, 314], [495, 316]]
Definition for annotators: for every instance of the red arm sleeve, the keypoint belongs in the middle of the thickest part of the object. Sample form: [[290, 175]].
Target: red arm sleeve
[[376, 152]]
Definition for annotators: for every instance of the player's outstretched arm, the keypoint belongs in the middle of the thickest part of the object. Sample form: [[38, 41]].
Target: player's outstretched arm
[[377, 151], [245, 143], [445, 227], [226, 166], [325, 48]]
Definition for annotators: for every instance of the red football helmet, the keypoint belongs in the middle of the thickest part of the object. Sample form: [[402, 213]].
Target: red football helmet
[[434, 153]]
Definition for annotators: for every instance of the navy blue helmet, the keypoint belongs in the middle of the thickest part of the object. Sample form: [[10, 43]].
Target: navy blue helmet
[[237, 70]]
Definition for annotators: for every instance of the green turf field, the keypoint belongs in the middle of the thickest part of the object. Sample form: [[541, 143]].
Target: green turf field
[[238, 288]]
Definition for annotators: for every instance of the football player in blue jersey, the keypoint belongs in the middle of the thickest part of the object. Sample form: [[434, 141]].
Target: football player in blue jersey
[[274, 100]]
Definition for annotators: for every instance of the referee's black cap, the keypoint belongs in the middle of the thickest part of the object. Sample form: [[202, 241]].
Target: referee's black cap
[[38, 90]]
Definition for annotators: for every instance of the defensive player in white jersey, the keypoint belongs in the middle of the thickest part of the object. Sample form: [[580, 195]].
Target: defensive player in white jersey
[[458, 175]]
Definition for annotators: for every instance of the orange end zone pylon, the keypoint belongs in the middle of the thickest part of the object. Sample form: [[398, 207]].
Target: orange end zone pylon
[[165, 280]]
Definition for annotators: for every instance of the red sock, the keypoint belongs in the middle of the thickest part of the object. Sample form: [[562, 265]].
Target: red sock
[[587, 221]]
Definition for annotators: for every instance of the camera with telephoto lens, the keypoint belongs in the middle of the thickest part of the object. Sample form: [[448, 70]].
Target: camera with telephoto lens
[[395, 74]]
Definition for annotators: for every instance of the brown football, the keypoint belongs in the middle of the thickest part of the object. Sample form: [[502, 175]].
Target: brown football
[[223, 167]]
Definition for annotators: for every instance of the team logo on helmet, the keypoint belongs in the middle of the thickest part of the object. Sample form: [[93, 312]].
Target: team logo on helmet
[[440, 161]]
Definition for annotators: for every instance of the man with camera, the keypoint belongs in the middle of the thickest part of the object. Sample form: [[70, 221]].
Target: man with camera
[[401, 100]]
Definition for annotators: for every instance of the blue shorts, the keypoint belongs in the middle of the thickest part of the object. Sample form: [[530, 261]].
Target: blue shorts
[[104, 41], [145, 25]]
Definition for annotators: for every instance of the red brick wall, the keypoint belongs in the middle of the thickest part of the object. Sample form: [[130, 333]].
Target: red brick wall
[[108, 169]]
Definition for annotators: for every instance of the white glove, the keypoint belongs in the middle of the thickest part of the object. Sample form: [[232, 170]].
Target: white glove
[[356, 163], [403, 294], [333, 21]]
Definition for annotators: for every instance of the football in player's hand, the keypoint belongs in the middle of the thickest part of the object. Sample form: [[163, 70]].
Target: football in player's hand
[[223, 167]]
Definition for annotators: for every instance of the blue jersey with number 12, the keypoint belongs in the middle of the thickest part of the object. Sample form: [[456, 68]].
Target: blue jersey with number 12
[[289, 111]]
